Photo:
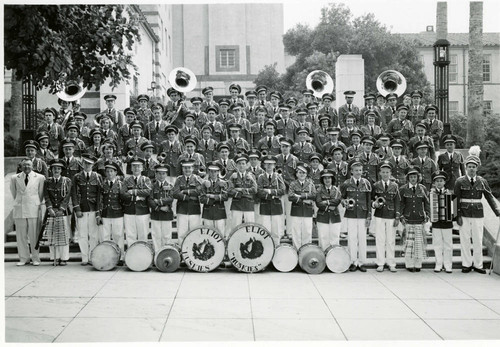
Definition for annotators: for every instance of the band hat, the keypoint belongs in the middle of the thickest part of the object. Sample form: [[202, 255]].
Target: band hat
[[327, 173], [371, 114], [215, 166], [384, 137], [380, 96], [109, 143], [111, 165], [286, 141], [260, 109], [412, 170], [401, 107], [284, 107], [223, 145], [30, 144], [369, 96], [260, 88], [102, 116], [205, 90], [137, 160], [333, 130], [269, 159], [350, 93], [162, 168], [147, 145], [391, 96], [130, 110], [308, 92], [302, 130], [89, 158], [368, 139], [422, 144], [190, 115], [431, 107], [142, 97], [407, 96], [224, 101], [156, 106], [57, 162], [80, 115], [301, 111], [235, 86], [421, 124], [336, 148], [385, 163], [196, 99], [72, 125], [355, 162], [191, 139], [94, 132], [325, 117], [50, 110], [171, 91], [417, 93], [254, 154], [212, 108], [302, 167], [449, 138], [237, 105], [356, 133], [397, 143], [240, 157], [209, 127], [328, 96], [41, 136], [171, 128], [315, 156], [312, 105], [234, 126], [276, 94], [440, 174], [271, 122], [351, 115], [68, 143], [472, 159], [136, 124], [59, 101], [291, 100], [110, 97], [251, 94], [187, 162]]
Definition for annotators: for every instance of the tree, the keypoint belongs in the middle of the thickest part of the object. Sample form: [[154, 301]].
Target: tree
[[269, 77]]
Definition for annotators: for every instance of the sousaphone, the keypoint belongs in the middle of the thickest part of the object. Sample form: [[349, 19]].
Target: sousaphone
[[72, 91], [320, 83], [182, 79], [391, 81]]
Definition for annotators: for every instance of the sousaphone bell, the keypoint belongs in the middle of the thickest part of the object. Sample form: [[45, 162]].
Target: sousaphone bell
[[391, 81], [71, 91], [182, 79], [320, 83]]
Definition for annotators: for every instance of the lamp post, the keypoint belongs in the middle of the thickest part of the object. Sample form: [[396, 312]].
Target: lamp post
[[153, 88], [441, 81]]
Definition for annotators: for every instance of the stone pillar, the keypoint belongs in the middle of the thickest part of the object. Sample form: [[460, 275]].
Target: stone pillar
[[475, 126], [442, 20], [350, 75]]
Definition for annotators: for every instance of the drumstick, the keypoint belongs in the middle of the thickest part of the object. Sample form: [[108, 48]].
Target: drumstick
[[494, 251]]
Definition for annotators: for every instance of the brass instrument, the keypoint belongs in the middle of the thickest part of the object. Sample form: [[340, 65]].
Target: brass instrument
[[350, 155], [320, 82], [202, 172], [329, 160], [350, 203], [207, 183], [381, 201], [183, 80], [279, 171], [71, 91], [391, 81], [162, 156], [381, 155], [264, 153], [130, 154]]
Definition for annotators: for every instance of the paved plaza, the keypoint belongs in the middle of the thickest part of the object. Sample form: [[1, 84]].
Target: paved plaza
[[79, 304]]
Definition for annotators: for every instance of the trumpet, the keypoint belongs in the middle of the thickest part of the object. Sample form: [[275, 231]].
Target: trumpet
[[350, 203], [279, 171], [162, 156], [264, 153], [130, 154], [381, 201], [381, 155], [350, 155], [329, 160], [202, 172]]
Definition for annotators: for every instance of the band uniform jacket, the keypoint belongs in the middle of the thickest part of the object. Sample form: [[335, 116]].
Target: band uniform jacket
[[270, 202], [57, 195], [109, 134], [308, 125], [161, 196], [412, 151], [426, 170], [353, 151], [200, 118], [287, 128], [111, 200], [313, 119], [416, 113], [185, 131], [207, 149], [453, 166], [27, 198], [86, 194], [384, 153], [187, 191], [39, 166], [229, 167], [345, 133], [320, 137], [399, 166], [415, 206], [400, 129], [205, 104], [327, 201], [315, 175], [172, 150], [135, 203], [344, 110], [117, 118], [73, 166], [236, 146], [83, 135], [80, 148], [464, 190], [250, 113], [245, 128], [56, 134], [272, 148], [258, 132], [378, 118], [101, 170], [303, 150], [64, 116], [94, 150], [288, 167], [199, 161], [45, 154], [391, 207], [144, 115], [332, 113], [213, 207], [156, 137], [388, 114], [299, 194], [149, 168], [225, 118], [341, 171], [273, 111], [374, 130], [435, 131], [171, 112], [219, 131], [362, 197], [370, 166], [242, 200], [134, 145], [256, 171], [124, 134], [327, 146]]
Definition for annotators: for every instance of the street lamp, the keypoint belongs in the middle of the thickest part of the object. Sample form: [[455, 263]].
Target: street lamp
[[153, 88], [441, 80]]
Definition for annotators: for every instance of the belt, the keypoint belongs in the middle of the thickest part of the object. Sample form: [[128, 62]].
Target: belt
[[472, 201]]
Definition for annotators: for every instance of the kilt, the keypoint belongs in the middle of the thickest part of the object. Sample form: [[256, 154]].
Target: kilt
[[415, 242], [57, 233]]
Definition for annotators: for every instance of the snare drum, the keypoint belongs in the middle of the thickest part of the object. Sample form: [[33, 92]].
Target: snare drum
[[312, 259], [338, 259], [285, 257], [105, 256], [203, 249], [168, 258], [139, 256]]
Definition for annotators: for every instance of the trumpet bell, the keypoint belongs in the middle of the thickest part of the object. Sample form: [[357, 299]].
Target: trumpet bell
[[320, 83], [391, 81], [72, 91], [182, 79]]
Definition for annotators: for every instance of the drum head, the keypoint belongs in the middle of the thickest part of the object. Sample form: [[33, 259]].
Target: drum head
[[285, 258], [203, 249], [105, 256], [168, 259], [139, 256], [250, 247], [312, 259], [338, 259]]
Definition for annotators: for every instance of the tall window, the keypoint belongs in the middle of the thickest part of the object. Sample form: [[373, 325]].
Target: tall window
[[227, 58], [453, 71], [453, 107], [487, 68]]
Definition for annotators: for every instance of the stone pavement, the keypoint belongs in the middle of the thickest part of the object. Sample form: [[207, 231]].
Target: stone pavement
[[79, 304]]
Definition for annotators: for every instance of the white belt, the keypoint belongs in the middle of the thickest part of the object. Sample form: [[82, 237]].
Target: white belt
[[472, 201]]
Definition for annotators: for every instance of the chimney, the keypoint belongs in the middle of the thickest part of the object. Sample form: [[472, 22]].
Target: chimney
[[442, 20]]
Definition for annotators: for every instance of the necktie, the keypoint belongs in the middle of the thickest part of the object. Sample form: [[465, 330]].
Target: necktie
[[357, 183], [413, 189], [26, 179], [224, 162], [328, 191], [372, 130], [135, 180], [385, 150], [88, 176], [206, 144], [338, 168], [397, 160], [48, 128], [260, 127], [136, 142], [157, 127], [385, 186], [254, 169], [471, 181], [422, 162], [349, 106], [189, 130], [269, 143], [302, 145], [67, 162], [285, 123], [269, 178], [451, 158], [109, 111], [110, 184], [302, 184]]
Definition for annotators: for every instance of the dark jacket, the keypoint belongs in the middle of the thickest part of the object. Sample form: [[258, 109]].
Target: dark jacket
[[57, 195], [111, 201], [187, 192], [160, 197], [464, 190], [242, 201], [298, 194], [135, 202], [391, 208], [361, 195], [415, 207], [328, 202], [270, 204], [213, 207], [86, 195]]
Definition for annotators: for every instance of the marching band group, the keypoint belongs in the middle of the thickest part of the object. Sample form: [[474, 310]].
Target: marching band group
[[290, 166]]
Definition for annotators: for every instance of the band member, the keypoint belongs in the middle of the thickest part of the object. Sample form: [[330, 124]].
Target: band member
[[380, 103], [292, 102], [469, 190], [237, 110], [332, 142], [262, 95], [207, 145], [383, 151], [112, 208], [171, 149], [426, 165], [313, 116], [401, 127], [434, 126], [133, 145], [450, 161], [251, 108], [144, 113], [303, 149], [57, 192], [286, 163], [106, 127], [71, 132], [235, 91], [73, 165], [187, 190], [399, 162], [219, 130], [255, 167], [37, 164], [86, 198], [236, 143], [442, 231], [53, 129], [270, 189], [108, 154], [133, 194], [44, 152], [338, 166], [176, 110], [200, 117], [27, 192], [347, 108], [371, 128], [224, 117], [155, 130], [125, 131], [386, 202], [300, 117], [389, 112], [213, 195], [189, 129], [327, 108], [420, 130], [117, 117], [415, 211], [314, 161], [150, 164], [190, 144], [328, 198], [355, 149], [286, 126], [356, 194], [208, 93], [65, 113], [369, 159], [160, 201], [242, 187], [302, 195], [273, 108], [258, 128], [269, 143], [307, 97], [96, 140], [416, 110], [370, 108]]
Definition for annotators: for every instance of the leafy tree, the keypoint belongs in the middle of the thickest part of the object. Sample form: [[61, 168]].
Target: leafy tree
[[269, 77]]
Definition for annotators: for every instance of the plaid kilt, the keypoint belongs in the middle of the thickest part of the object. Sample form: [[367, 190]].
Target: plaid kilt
[[57, 231], [415, 243]]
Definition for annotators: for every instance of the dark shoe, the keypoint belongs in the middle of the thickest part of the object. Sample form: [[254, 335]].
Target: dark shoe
[[361, 268], [411, 269], [417, 269], [481, 271], [353, 268], [84, 263], [120, 263], [62, 263], [466, 269]]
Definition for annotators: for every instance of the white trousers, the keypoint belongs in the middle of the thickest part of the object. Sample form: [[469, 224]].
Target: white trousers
[[442, 239], [136, 228], [186, 222], [385, 240], [356, 235], [161, 233], [62, 252], [237, 217], [343, 222], [301, 228], [274, 224], [256, 213], [472, 228], [219, 224], [87, 230], [328, 234], [27, 231], [229, 224], [112, 229]]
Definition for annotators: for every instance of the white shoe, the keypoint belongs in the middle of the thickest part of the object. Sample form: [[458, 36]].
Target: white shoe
[[392, 269], [20, 264], [437, 269], [36, 263], [380, 268]]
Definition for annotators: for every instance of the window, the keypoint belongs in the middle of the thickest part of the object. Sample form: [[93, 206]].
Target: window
[[453, 107], [487, 68], [227, 58], [453, 71]]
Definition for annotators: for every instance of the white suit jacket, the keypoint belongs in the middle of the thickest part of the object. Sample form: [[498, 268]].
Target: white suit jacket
[[27, 199]]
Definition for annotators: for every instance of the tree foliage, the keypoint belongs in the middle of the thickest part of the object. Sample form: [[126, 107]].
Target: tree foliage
[[89, 43]]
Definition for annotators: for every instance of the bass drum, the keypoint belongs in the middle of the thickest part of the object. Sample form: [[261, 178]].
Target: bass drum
[[285, 258], [168, 258], [338, 259], [203, 249], [250, 247], [105, 256], [139, 256], [312, 259]]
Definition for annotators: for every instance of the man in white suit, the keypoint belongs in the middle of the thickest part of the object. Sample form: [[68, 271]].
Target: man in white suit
[[27, 190]]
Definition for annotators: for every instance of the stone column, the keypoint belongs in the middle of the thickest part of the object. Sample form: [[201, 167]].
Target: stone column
[[350, 75]]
